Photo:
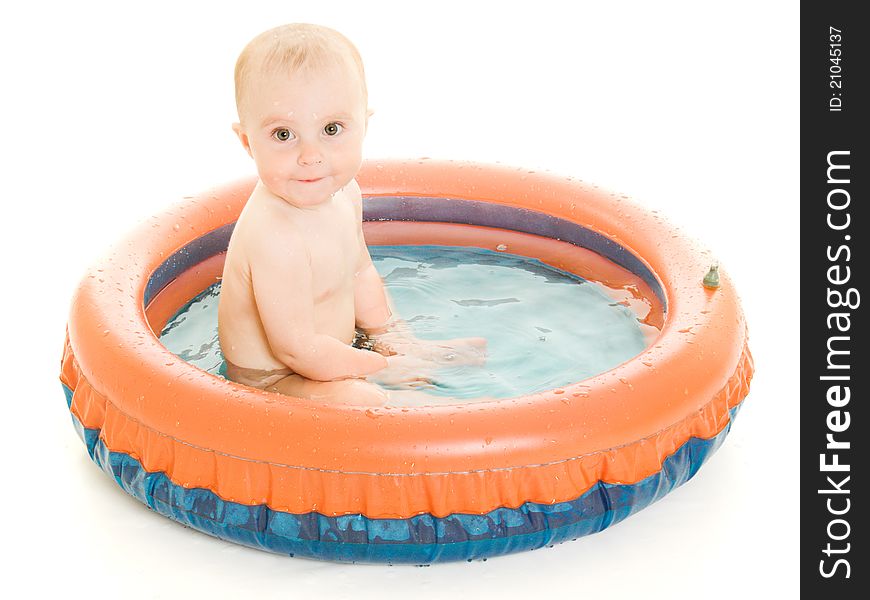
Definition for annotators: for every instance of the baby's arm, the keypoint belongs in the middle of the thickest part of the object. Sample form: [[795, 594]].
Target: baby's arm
[[282, 282], [371, 306], [370, 303]]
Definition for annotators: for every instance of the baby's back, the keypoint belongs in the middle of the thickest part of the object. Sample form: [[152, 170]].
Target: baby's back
[[266, 245]]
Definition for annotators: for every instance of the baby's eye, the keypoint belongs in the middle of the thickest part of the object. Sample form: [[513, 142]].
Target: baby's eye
[[282, 134], [333, 129]]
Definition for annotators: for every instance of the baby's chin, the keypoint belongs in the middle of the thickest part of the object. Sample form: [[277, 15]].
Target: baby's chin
[[306, 194]]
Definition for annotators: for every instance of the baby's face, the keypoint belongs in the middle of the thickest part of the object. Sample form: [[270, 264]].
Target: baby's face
[[305, 132]]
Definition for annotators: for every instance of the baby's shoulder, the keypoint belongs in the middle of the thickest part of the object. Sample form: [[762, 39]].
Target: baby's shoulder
[[353, 189], [353, 195], [262, 232]]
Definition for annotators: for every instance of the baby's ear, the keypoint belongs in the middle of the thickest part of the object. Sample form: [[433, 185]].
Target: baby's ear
[[243, 137], [369, 113]]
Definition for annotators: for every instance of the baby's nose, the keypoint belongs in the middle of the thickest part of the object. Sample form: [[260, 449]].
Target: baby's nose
[[309, 154]]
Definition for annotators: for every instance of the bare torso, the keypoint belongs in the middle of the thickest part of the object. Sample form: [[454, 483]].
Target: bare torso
[[329, 233]]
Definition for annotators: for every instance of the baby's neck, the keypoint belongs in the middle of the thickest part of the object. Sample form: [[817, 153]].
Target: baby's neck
[[308, 208]]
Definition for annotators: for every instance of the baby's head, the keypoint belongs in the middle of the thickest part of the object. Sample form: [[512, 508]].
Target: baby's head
[[303, 110]]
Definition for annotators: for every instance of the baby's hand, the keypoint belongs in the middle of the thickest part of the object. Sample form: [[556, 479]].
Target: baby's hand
[[403, 371], [455, 352]]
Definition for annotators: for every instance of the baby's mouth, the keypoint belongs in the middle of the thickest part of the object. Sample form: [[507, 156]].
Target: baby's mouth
[[309, 180]]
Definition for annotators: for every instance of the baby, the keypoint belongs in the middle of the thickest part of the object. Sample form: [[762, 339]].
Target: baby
[[298, 280]]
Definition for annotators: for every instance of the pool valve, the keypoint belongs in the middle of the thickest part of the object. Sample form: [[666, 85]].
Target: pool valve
[[711, 279]]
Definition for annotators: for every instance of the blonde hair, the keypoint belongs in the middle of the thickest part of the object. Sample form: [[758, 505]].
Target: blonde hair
[[291, 48]]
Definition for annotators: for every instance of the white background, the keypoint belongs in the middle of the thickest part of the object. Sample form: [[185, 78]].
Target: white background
[[112, 113]]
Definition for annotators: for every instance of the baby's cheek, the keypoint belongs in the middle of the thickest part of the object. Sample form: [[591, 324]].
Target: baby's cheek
[[353, 159], [275, 170], [273, 178]]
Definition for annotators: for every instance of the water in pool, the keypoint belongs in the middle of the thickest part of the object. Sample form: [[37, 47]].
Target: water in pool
[[545, 328]]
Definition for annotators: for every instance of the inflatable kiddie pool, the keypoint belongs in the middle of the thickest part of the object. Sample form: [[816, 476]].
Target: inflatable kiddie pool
[[415, 484]]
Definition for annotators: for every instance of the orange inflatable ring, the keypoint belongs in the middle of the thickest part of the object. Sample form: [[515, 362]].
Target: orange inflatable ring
[[420, 484]]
